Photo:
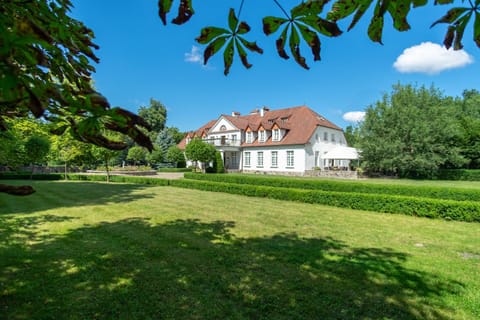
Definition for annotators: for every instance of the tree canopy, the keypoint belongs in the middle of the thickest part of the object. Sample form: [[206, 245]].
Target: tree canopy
[[45, 69], [413, 132], [307, 21], [198, 150]]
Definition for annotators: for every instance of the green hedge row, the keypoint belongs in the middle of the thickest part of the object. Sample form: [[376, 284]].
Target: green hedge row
[[85, 177], [26, 176], [423, 207], [125, 179], [174, 170], [457, 194], [459, 174], [432, 208]]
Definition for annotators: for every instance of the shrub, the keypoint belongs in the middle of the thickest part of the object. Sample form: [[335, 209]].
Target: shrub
[[27, 175], [457, 194], [459, 174], [432, 208]]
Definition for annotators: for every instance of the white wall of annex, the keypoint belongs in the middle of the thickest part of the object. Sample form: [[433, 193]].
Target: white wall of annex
[[298, 153]]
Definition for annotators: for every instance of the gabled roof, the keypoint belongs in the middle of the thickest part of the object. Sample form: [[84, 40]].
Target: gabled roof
[[198, 133], [299, 124]]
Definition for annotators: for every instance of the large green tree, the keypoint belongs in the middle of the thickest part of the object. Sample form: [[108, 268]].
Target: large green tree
[[411, 132], [469, 118], [155, 115], [36, 150]]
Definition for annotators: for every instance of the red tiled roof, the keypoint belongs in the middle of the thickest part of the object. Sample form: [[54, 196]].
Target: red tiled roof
[[197, 133], [298, 122]]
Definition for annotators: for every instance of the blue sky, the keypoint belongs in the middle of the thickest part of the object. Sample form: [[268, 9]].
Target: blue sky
[[142, 59]]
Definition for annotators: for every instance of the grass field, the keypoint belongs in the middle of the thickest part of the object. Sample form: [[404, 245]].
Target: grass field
[[77, 250]]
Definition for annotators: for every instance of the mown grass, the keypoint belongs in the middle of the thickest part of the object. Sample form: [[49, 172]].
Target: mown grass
[[78, 250]]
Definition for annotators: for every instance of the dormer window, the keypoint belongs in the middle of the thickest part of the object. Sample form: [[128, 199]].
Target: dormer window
[[261, 136], [276, 135], [249, 137]]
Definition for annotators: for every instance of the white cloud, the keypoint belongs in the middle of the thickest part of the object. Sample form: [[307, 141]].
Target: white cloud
[[194, 56], [431, 58], [354, 116]]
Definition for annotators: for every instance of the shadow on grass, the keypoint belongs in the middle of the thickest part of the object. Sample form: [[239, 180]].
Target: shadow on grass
[[187, 269], [57, 194]]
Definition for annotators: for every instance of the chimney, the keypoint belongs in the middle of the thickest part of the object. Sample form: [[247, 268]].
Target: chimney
[[263, 110], [235, 114]]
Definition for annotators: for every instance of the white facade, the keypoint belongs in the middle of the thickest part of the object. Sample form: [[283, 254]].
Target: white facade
[[277, 142]]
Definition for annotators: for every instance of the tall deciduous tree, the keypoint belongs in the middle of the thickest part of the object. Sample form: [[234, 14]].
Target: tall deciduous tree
[[469, 118], [36, 150], [155, 115], [411, 132], [176, 134], [352, 135]]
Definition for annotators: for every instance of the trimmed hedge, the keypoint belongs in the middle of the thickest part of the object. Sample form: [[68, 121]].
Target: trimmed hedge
[[432, 208], [86, 177], [459, 174], [422, 207], [457, 194], [174, 170], [26, 176], [124, 179]]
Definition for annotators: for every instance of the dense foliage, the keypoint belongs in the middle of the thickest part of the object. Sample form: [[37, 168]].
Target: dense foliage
[[416, 131], [199, 151], [45, 63]]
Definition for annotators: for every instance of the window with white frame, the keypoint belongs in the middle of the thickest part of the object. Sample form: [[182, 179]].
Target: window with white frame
[[274, 159], [247, 159], [276, 135], [249, 137], [325, 136], [260, 159], [333, 137], [290, 158], [261, 136], [234, 139]]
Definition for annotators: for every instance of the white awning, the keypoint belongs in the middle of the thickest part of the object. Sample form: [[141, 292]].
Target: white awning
[[342, 153]]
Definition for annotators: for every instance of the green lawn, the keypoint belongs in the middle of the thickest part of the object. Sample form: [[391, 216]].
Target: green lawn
[[77, 250]]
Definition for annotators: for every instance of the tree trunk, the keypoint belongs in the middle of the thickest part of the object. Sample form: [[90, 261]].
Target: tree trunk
[[66, 177], [107, 169]]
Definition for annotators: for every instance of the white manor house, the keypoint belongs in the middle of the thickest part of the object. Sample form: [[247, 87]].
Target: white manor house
[[284, 141]]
